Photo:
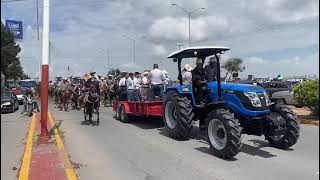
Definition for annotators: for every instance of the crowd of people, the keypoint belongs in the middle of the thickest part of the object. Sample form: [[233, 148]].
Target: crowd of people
[[135, 86]]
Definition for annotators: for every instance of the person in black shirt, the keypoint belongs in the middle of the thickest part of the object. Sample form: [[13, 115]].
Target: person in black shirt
[[211, 70], [198, 81]]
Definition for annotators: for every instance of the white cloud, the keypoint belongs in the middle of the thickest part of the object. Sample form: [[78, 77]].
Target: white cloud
[[159, 50]]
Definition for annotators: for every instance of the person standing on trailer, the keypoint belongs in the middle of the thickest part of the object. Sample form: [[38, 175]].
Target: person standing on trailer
[[157, 79], [123, 87], [145, 86], [130, 88], [137, 86]]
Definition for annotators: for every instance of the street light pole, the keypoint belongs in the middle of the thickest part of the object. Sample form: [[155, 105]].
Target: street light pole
[[45, 69], [134, 46], [38, 19], [189, 16], [108, 59]]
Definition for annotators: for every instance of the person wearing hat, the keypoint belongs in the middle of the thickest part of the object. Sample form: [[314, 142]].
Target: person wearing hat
[[130, 88], [144, 90], [211, 70], [123, 86], [198, 81], [187, 75], [137, 86]]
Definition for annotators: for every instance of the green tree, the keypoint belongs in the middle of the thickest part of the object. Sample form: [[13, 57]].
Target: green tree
[[10, 63], [233, 65], [114, 72], [307, 94]]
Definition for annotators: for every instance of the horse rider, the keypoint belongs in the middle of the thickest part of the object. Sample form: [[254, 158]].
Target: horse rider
[[86, 86]]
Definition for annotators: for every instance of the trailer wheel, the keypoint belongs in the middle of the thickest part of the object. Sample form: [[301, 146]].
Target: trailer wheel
[[293, 128], [118, 109], [178, 115], [224, 133], [123, 115]]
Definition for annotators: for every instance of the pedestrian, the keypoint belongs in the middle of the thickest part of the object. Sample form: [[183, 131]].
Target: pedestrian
[[123, 86], [198, 81], [187, 75], [145, 86], [156, 78], [211, 70]]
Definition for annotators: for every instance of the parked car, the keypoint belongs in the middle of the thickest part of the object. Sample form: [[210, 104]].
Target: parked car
[[19, 93], [280, 92], [9, 102]]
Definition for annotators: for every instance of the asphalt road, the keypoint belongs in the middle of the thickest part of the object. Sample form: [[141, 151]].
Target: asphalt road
[[13, 136], [142, 150]]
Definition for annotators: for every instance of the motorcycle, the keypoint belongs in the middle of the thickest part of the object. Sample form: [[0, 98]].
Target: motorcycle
[[30, 105]]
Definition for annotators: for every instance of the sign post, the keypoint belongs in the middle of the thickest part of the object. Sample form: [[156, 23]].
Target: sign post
[[45, 69], [15, 27]]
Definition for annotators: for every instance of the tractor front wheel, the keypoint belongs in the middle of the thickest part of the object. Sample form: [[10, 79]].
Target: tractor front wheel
[[293, 128], [224, 133], [178, 115]]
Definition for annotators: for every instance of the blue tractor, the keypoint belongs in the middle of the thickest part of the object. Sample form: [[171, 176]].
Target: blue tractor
[[229, 110]]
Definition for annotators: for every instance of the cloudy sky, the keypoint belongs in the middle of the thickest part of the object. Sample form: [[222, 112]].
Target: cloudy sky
[[271, 36]]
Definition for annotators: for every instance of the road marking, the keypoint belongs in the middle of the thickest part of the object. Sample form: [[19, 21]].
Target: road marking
[[24, 171], [69, 169]]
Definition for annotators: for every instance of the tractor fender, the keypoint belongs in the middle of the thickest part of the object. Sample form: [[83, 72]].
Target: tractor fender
[[184, 90]]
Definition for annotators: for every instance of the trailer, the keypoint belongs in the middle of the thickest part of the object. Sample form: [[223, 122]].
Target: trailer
[[125, 110]]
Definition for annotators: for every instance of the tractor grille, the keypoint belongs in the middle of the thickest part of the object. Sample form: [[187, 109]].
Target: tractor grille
[[247, 103]]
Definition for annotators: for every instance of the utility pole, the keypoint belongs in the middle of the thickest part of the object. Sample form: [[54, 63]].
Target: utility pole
[[45, 69], [108, 54], [38, 19], [179, 45], [134, 46]]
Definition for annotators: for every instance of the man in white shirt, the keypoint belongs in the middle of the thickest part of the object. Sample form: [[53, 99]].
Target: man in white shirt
[[130, 88], [156, 78], [145, 86], [123, 87], [137, 85]]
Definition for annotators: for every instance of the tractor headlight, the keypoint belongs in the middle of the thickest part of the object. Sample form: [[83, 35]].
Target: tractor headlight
[[254, 98], [268, 101], [185, 90]]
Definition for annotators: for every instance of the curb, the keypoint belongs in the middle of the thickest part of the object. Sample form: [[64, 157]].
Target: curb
[[71, 174], [24, 170], [310, 122]]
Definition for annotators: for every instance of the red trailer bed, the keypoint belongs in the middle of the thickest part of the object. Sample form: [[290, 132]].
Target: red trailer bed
[[140, 108]]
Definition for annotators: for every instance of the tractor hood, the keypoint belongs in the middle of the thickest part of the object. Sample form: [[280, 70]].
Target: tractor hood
[[236, 87]]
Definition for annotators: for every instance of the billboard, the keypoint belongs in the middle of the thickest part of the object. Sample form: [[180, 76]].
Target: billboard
[[15, 27]]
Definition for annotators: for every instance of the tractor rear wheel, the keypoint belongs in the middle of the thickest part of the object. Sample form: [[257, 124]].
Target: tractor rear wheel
[[178, 115], [293, 128], [117, 116], [224, 133]]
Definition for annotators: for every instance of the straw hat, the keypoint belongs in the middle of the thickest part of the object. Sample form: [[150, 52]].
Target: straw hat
[[87, 76], [188, 67], [145, 73]]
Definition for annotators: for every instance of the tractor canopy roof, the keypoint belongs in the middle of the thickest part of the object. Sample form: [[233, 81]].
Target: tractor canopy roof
[[198, 52]]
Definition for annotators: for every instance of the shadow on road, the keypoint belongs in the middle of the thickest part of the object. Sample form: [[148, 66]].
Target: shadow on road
[[88, 123], [147, 123]]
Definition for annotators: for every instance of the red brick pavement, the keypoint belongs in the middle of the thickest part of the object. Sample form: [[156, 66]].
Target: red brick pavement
[[46, 159]]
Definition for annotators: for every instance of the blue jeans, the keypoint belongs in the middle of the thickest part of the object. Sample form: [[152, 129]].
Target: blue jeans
[[130, 95], [156, 90]]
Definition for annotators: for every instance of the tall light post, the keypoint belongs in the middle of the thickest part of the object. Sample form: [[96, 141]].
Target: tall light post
[[189, 16], [134, 45]]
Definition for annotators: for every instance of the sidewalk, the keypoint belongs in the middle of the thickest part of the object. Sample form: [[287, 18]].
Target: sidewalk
[[48, 161]]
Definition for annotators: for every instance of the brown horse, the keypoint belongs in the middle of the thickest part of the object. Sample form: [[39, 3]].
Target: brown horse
[[91, 105], [75, 96], [64, 98]]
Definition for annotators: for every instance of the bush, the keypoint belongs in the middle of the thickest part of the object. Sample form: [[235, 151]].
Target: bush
[[307, 94]]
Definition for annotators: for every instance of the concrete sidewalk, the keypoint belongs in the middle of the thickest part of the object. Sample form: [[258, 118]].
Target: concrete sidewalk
[[47, 160]]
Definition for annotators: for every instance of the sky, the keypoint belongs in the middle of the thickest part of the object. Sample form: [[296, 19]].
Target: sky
[[271, 36]]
